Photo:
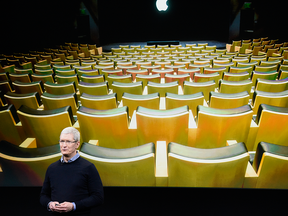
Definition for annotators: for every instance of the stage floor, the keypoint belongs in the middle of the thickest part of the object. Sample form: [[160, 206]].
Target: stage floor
[[219, 45]]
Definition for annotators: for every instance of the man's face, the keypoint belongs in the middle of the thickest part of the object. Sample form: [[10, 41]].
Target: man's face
[[68, 149]]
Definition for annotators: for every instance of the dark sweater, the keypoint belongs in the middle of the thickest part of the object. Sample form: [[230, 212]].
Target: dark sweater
[[77, 182]]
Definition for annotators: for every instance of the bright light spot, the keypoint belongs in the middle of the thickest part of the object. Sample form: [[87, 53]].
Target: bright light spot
[[161, 5]]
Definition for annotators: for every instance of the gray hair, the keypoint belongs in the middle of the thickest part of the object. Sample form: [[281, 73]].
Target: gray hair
[[72, 130]]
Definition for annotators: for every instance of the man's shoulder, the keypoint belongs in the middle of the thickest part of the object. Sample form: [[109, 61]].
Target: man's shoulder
[[85, 163]]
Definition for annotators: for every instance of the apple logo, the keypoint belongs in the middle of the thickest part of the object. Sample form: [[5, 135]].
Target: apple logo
[[161, 5]]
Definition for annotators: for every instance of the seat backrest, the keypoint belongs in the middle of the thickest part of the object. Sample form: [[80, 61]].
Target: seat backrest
[[191, 100], [109, 127], [279, 99], [271, 85], [272, 125], [162, 88], [93, 88], [217, 167], [195, 87], [26, 166], [132, 101], [45, 125], [235, 86], [31, 100], [236, 76], [127, 167], [228, 101], [99, 102], [145, 78], [132, 88], [165, 125], [225, 124], [271, 165], [51, 101], [23, 88], [271, 75], [59, 89], [8, 129]]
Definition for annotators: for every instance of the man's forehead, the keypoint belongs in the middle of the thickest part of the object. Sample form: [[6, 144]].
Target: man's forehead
[[67, 135]]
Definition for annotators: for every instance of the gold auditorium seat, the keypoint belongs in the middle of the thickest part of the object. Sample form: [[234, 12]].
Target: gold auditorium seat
[[24, 88], [92, 78], [165, 125], [279, 99], [235, 86], [162, 72], [43, 77], [59, 89], [263, 75], [109, 127], [272, 123], [271, 85], [162, 88], [195, 87], [127, 78], [132, 88], [123, 167], [99, 102], [51, 101], [61, 79], [225, 124], [23, 77], [228, 101], [191, 100], [156, 78], [132, 101], [45, 125], [271, 165], [217, 167], [31, 100], [94, 88], [25, 166], [180, 78], [9, 130], [236, 76]]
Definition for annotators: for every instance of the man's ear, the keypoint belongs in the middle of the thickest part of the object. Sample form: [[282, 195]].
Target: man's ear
[[77, 145]]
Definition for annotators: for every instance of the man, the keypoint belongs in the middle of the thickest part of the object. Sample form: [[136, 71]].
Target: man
[[72, 184]]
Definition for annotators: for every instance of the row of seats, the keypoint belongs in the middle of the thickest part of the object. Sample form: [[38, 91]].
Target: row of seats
[[113, 128], [159, 164]]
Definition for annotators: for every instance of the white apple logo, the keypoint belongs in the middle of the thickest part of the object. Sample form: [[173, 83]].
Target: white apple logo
[[161, 5]]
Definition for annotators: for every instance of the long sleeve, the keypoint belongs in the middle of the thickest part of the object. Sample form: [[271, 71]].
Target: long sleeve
[[95, 188], [45, 191]]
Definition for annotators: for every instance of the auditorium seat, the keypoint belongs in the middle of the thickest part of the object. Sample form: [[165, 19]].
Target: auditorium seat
[[132, 101], [263, 75], [59, 89], [218, 167], [225, 124], [191, 100], [272, 123], [107, 72], [99, 102], [6, 86], [180, 78], [43, 77], [162, 72], [123, 167], [31, 100], [9, 130], [279, 99], [127, 78], [236, 76], [195, 87], [92, 78], [189, 71], [65, 72], [93, 88], [45, 125], [235, 86], [228, 101], [162, 88], [271, 165], [271, 85], [109, 127], [132, 88], [162, 125], [24, 88], [261, 68], [207, 77], [23, 77], [51, 101], [25, 166], [156, 78]]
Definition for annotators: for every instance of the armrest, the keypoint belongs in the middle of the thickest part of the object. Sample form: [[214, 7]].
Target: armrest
[[251, 177], [161, 166], [29, 143]]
